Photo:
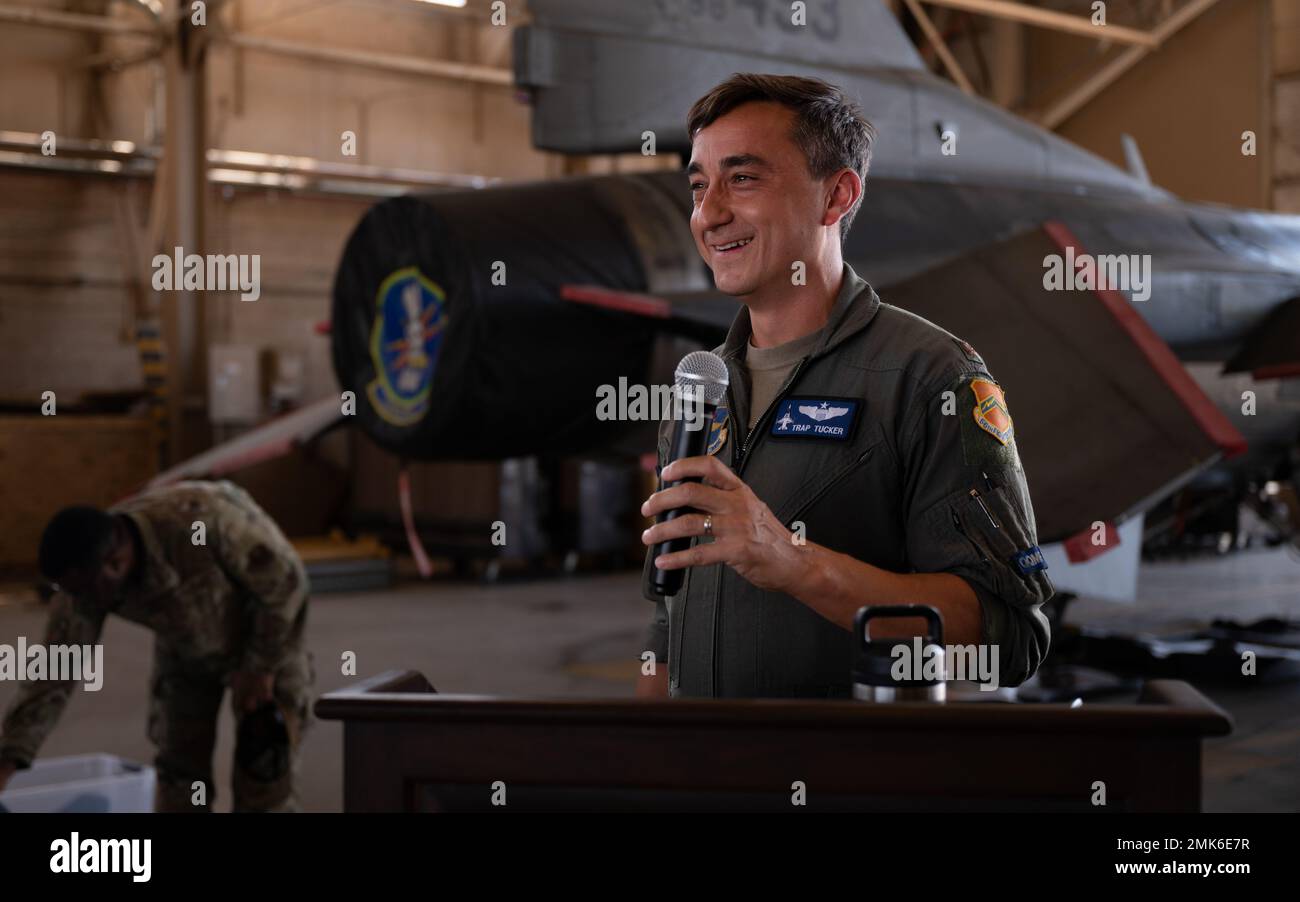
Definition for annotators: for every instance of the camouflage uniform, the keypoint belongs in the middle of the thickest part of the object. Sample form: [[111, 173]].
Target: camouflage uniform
[[236, 602]]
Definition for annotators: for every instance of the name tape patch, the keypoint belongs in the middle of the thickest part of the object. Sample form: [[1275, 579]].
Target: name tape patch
[[1029, 561], [824, 418]]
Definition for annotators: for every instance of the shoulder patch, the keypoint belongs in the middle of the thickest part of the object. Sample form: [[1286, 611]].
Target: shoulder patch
[[718, 431], [991, 411]]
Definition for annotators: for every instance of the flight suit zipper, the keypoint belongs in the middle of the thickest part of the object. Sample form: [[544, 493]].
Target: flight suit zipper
[[762, 421], [738, 467]]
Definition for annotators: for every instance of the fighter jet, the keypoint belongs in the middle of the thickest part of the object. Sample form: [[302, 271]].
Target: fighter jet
[[1123, 324]]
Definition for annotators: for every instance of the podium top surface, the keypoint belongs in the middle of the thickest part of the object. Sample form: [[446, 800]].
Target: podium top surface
[[1164, 707]]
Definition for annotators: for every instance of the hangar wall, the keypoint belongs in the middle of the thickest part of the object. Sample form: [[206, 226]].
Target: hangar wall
[[1224, 61], [64, 283], [62, 260], [1286, 105]]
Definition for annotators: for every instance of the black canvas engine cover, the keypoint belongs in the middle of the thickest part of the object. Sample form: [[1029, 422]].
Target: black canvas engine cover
[[449, 327]]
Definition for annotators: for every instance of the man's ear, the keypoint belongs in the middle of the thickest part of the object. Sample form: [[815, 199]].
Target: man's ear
[[845, 191]]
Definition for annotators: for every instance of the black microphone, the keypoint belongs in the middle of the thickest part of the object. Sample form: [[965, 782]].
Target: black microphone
[[701, 380]]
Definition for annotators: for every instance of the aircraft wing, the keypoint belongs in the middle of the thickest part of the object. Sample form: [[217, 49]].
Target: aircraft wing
[[1107, 420], [279, 436]]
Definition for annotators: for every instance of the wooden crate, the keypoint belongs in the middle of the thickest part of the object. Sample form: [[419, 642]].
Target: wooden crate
[[47, 463]]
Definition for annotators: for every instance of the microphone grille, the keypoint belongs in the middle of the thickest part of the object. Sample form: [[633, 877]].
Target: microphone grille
[[706, 372]]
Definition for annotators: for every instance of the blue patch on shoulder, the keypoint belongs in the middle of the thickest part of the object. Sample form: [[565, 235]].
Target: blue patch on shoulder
[[1029, 561], [824, 418], [718, 431]]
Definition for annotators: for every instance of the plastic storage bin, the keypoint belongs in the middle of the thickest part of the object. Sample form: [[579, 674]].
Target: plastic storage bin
[[80, 783]]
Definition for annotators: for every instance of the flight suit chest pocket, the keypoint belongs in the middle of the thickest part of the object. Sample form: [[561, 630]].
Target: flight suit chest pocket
[[830, 466]]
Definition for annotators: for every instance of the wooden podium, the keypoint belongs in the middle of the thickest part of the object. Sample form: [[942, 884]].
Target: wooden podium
[[406, 748]]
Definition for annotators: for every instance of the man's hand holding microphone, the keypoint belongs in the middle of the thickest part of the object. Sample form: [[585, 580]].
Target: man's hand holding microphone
[[701, 496]]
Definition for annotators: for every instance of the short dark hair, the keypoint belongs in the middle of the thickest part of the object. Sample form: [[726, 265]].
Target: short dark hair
[[75, 538], [829, 127]]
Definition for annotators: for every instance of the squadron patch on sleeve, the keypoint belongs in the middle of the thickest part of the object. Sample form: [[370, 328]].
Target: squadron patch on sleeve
[[991, 411], [718, 431]]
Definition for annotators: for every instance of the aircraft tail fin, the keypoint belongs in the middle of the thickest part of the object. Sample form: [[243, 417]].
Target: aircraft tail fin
[[824, 32], [600, 74]]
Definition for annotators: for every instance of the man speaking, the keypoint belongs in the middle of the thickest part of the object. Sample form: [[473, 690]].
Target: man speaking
[[865, 456]]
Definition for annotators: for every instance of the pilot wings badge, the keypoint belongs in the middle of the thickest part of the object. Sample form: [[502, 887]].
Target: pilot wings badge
[[823, 413]]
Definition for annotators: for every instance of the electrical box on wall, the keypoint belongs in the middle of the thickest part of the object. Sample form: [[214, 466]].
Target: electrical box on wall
[[234, 384]]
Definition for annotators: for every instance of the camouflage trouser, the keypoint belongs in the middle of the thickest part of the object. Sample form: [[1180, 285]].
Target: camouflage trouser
[[184, 702]]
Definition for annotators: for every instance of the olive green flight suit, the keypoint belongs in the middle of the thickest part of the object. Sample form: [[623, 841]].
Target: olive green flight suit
[[925, 478]]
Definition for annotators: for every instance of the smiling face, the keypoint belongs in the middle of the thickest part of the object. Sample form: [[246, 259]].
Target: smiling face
[[758, 209]]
